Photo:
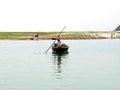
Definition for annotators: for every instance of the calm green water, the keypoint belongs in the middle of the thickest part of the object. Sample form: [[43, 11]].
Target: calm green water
[[89, 65]]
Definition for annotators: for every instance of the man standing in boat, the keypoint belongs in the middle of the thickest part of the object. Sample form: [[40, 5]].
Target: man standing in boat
[[59, 44]]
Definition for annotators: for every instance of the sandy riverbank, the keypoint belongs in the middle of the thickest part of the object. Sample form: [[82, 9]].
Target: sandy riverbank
[[64, 35]]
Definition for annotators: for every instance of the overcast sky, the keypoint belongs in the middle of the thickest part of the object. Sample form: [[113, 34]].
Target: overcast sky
[[52, 15]]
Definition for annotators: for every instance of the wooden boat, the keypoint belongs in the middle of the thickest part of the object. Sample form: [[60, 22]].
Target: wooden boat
[[62, 48], [56, 47]]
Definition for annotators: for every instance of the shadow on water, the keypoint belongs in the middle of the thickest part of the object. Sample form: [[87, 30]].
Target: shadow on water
[[59, 60]]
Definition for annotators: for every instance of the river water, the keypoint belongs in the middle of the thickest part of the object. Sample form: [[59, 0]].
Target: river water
[[88, 65]]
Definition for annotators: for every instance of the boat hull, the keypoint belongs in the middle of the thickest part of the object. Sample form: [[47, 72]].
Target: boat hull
[[60, 49]]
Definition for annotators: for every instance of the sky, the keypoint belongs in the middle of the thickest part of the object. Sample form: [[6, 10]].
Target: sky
[[53, 15]]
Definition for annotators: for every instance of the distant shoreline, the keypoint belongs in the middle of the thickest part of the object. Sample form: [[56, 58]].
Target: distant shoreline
[[64, 35]]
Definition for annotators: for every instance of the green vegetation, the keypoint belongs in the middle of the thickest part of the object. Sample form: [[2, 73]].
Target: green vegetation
[[118, 28], [14, 34]]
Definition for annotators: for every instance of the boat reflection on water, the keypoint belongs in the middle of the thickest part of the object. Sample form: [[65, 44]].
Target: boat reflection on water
[[59, 60]]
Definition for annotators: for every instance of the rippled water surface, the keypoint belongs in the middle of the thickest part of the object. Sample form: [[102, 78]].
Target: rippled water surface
[[88, 65]]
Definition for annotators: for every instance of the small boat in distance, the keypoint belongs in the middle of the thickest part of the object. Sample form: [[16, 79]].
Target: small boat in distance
[[61, 49]]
